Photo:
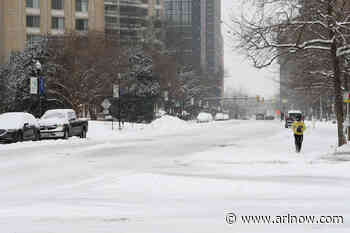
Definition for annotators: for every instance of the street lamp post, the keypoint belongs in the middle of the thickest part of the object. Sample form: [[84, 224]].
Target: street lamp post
[[119, 103], [38, 70]]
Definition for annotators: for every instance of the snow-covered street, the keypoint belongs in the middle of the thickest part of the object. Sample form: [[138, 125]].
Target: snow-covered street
[[174, 176]]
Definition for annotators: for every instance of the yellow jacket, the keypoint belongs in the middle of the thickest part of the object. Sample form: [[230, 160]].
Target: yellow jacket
[[297, 124]]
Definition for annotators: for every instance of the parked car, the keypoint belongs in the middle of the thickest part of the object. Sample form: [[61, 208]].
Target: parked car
[[219, 116], [226, 116], [18, 126], [204, 117], [269, 117], [290, 117], [62, 123], [259, 116]]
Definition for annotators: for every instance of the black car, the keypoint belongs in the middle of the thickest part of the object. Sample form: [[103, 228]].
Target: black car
[[18, 126], [259, 116]]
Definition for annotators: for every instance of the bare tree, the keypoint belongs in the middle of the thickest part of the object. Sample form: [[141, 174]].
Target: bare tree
[[283, 27]]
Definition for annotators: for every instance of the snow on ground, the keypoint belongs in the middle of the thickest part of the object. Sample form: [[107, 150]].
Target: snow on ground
[[174, 176]]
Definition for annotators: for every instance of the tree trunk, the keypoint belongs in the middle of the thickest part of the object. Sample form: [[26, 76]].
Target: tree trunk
[[337, 77], [92, 112], [338, 94]]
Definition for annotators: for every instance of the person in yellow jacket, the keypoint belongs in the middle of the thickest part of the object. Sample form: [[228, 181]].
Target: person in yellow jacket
[[298, 128]]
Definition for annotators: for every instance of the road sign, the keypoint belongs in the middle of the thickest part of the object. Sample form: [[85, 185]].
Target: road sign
[[33, 85], [106, 104], [115, 91]]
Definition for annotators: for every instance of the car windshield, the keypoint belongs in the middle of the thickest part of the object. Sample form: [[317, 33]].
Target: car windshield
[[294, 115], [53, 115]]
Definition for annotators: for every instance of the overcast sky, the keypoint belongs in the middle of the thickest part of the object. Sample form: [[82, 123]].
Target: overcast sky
[[240, 71]]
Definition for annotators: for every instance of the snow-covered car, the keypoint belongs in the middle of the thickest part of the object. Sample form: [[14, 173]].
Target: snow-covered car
[[220, 116], [62, 123], [291, 116], [204, 117], [226, 116], [18, 126]]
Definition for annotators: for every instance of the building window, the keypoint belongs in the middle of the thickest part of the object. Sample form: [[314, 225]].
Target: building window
[[82, 5], [33, 39], [57, 4], [58, 23], [33, 21], [33, 4], [81, 25]]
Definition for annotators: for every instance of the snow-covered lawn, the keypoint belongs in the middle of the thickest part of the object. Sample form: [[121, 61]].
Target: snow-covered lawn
[[174, 176]]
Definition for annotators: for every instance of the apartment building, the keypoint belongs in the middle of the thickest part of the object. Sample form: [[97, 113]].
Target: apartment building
[[23, 22]]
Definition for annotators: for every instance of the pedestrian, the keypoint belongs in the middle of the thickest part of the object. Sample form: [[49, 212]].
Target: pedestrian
[[298, 128]]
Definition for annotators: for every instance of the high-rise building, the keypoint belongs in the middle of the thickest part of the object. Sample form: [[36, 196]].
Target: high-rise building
[[128, 17], [199, 21]]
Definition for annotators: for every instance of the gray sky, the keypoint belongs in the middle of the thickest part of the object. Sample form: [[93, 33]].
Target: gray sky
[[240, 71]]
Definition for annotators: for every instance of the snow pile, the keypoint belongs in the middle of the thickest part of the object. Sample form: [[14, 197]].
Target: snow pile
[[166, 123], [102, 130]]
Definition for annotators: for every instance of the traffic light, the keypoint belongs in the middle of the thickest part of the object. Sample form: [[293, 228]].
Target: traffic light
[[257, 98], [262, 100]]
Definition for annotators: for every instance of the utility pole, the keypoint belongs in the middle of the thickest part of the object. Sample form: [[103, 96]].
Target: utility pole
[[321, 112]]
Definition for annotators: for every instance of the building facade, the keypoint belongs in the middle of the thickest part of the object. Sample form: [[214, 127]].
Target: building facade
[[24, 22], [128, 18]]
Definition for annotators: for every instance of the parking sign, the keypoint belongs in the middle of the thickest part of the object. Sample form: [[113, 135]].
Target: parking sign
[[33, 85]]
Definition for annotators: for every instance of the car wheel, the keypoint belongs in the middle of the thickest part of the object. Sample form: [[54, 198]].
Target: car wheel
[[36, 136], [19, 137], [66, 134], [83, 133]]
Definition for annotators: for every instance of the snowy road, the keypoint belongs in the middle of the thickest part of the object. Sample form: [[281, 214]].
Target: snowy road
[[182, 180]]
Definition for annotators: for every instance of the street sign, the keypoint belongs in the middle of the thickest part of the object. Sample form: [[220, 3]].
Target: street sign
[[106, 104], [115, 91], [33, 85], [41, 85]]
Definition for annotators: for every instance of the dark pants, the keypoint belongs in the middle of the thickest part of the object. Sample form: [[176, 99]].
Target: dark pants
[[298, 142]]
